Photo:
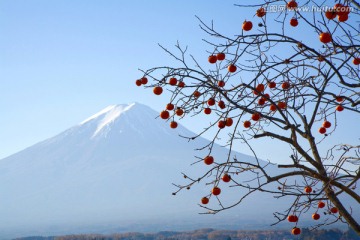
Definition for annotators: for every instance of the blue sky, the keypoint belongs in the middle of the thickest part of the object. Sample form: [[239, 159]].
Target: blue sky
[[63, 61]]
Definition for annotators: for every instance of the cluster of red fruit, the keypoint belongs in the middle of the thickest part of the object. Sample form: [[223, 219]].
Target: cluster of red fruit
[[141, 81], [211, 102], [220, 57], [260, 88], [316, 216], [339, 107], [158, 90], [166, 114], [208, 160], [340, 11], [326, 124], [225, 123], [256, 116]]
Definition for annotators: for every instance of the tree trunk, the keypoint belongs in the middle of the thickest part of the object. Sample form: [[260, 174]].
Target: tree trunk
[[343, 211]]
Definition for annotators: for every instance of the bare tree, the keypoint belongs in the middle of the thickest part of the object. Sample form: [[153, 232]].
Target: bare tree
[[264, 82]]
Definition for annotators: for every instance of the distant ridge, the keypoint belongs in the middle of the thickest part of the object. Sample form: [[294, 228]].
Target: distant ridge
[[210, 233]]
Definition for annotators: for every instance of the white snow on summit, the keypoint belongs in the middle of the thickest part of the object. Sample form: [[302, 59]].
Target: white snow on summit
[[108, 115]]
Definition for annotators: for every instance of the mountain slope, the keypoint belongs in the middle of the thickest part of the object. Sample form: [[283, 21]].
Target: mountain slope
[[117, 165]]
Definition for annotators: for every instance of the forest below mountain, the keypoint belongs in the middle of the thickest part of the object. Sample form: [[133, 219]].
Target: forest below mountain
[[207, 234]]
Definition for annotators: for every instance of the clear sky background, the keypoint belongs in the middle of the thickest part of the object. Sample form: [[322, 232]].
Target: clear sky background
[[63, 61]]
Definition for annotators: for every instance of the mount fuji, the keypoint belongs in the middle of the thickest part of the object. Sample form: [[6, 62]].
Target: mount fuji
[[115, 168], [113, 172]]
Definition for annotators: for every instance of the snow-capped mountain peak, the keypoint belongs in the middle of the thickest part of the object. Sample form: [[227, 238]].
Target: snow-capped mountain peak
[[107, 116]]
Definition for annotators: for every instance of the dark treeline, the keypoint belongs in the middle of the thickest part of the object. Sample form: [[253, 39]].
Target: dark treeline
[[208, 234]]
